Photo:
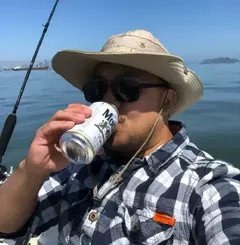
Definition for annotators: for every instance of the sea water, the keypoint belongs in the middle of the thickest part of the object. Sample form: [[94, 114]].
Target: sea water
[[213, 123]]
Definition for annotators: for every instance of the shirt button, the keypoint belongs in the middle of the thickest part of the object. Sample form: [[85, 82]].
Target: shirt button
[[135, 228], [93, 216]]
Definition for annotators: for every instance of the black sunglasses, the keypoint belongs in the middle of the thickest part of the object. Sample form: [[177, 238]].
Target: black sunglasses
[[124, 89]]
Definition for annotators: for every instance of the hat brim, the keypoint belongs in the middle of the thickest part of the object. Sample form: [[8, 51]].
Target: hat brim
[[77, 67]]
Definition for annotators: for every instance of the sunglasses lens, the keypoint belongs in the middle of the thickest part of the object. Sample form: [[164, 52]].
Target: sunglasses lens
[[94, 91], [126, 90]]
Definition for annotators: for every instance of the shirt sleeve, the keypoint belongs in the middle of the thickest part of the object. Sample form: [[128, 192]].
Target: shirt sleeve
[[217, 213], [47, 211]]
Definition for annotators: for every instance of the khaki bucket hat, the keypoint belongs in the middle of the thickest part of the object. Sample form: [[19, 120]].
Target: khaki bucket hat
[[138, 49]]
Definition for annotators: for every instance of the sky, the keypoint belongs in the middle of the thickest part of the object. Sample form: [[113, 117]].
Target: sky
[[192, 29]]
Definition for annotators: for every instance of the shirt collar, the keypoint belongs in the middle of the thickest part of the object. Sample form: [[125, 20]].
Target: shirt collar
[[167, 152], [160, 156]]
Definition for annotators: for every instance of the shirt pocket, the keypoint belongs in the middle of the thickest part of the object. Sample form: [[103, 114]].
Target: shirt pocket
[[145, 230]]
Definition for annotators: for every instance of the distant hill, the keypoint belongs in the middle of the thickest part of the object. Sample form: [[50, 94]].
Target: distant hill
[[220, 60]]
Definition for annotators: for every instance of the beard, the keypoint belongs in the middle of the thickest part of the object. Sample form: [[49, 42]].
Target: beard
[[121, 143], [128, 137]]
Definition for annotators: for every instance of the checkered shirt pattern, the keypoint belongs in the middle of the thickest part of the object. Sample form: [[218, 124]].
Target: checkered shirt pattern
[[178, 181]]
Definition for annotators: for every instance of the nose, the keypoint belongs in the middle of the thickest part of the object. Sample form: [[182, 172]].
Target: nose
[[110, 98]]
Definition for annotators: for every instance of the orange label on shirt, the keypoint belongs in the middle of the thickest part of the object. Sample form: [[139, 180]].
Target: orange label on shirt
[[164, 219]]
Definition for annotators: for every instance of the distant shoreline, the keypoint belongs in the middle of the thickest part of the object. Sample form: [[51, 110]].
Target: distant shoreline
[[220, 60]]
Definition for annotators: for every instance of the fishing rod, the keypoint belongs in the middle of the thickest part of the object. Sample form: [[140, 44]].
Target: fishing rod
[[11, 120]]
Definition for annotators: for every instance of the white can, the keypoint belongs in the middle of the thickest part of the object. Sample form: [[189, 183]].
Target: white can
[[81, 143]]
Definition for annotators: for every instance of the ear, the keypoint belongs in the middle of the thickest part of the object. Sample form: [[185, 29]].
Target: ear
[[170, 101]]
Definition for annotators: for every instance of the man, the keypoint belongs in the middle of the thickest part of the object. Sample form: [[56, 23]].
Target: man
[[170, 193]]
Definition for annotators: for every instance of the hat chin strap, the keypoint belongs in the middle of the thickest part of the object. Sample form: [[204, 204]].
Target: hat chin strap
[[117, 177], [148, 137]]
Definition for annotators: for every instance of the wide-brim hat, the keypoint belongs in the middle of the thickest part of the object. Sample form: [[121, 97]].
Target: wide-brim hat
[[138, 49]]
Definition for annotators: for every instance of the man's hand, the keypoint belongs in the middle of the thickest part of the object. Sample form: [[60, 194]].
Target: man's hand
[[43, 154]]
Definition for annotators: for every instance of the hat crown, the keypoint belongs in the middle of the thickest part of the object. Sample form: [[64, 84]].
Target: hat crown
[[135, 41], [138, 49]]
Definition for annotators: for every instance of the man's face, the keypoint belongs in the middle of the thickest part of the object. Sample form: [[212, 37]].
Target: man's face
[[136, 119]]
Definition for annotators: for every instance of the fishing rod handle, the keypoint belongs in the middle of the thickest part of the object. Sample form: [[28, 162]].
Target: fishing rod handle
[[7, 133]]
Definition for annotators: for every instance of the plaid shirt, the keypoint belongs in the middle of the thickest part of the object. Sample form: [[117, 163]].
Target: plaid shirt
[[177, 195]]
